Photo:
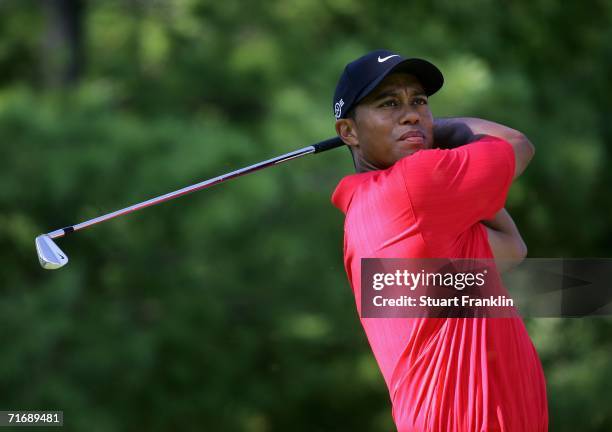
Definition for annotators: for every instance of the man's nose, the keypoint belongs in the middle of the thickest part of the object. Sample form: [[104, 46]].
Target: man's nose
[[409, 115]]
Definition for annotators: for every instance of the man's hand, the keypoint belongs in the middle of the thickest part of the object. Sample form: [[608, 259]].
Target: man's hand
[[450, 133], [458, 131], [506, 242]]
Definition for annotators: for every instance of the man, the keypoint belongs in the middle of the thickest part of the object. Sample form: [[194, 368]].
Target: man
[[412, 199]]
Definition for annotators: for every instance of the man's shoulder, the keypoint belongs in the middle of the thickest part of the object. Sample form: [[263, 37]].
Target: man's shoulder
[[421, 160], [428, 162], [345, 190]]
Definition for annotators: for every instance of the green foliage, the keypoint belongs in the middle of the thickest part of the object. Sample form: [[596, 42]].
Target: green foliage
[[229, 310]]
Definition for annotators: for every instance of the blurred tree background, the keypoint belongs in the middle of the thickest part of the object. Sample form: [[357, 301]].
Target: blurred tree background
[[229, 310]]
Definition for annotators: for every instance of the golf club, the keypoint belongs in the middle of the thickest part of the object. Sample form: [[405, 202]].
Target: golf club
[[51, 256]]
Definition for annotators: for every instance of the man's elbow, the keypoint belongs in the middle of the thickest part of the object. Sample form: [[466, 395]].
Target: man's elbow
[[522, 250], [519, 139], [519, 251], [524, 150], [529, 147]]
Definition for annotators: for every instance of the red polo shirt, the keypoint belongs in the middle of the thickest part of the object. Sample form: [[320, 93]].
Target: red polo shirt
[[471, 374]]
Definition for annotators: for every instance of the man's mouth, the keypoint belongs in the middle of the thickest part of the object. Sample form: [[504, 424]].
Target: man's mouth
[[415, 138]]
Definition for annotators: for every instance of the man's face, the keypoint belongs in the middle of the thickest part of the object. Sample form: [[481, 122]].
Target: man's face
[[392, 122]]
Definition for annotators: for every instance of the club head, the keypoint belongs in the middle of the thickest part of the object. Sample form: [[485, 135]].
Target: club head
[[50, 256]]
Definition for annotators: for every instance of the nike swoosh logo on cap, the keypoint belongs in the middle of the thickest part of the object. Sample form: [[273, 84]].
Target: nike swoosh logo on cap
[[384, 59]]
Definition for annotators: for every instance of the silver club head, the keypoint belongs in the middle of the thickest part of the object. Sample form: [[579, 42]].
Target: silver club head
[[50, 256]]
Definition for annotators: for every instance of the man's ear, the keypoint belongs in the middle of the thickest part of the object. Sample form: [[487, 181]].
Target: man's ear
[[346, 130]]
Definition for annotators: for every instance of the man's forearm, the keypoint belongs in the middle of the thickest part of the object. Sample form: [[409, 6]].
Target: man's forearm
[[502, 221], [505, 240], [453, 132]]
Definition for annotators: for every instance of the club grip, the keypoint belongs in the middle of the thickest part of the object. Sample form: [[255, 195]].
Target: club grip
[[328, 144]]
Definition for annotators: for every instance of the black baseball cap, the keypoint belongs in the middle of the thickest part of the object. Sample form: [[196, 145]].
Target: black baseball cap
[[362, 76]]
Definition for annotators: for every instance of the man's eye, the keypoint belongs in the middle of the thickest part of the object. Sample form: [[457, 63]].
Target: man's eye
[[420, 101], [390, 102]]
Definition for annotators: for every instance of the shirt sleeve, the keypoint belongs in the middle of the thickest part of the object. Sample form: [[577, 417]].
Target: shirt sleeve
[[450, 190]]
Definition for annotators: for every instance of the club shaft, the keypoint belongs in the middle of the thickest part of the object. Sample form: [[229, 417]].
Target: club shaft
[[196, 187]]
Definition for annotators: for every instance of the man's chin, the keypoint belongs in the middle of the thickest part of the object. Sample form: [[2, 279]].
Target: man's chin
[[409, 152]]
